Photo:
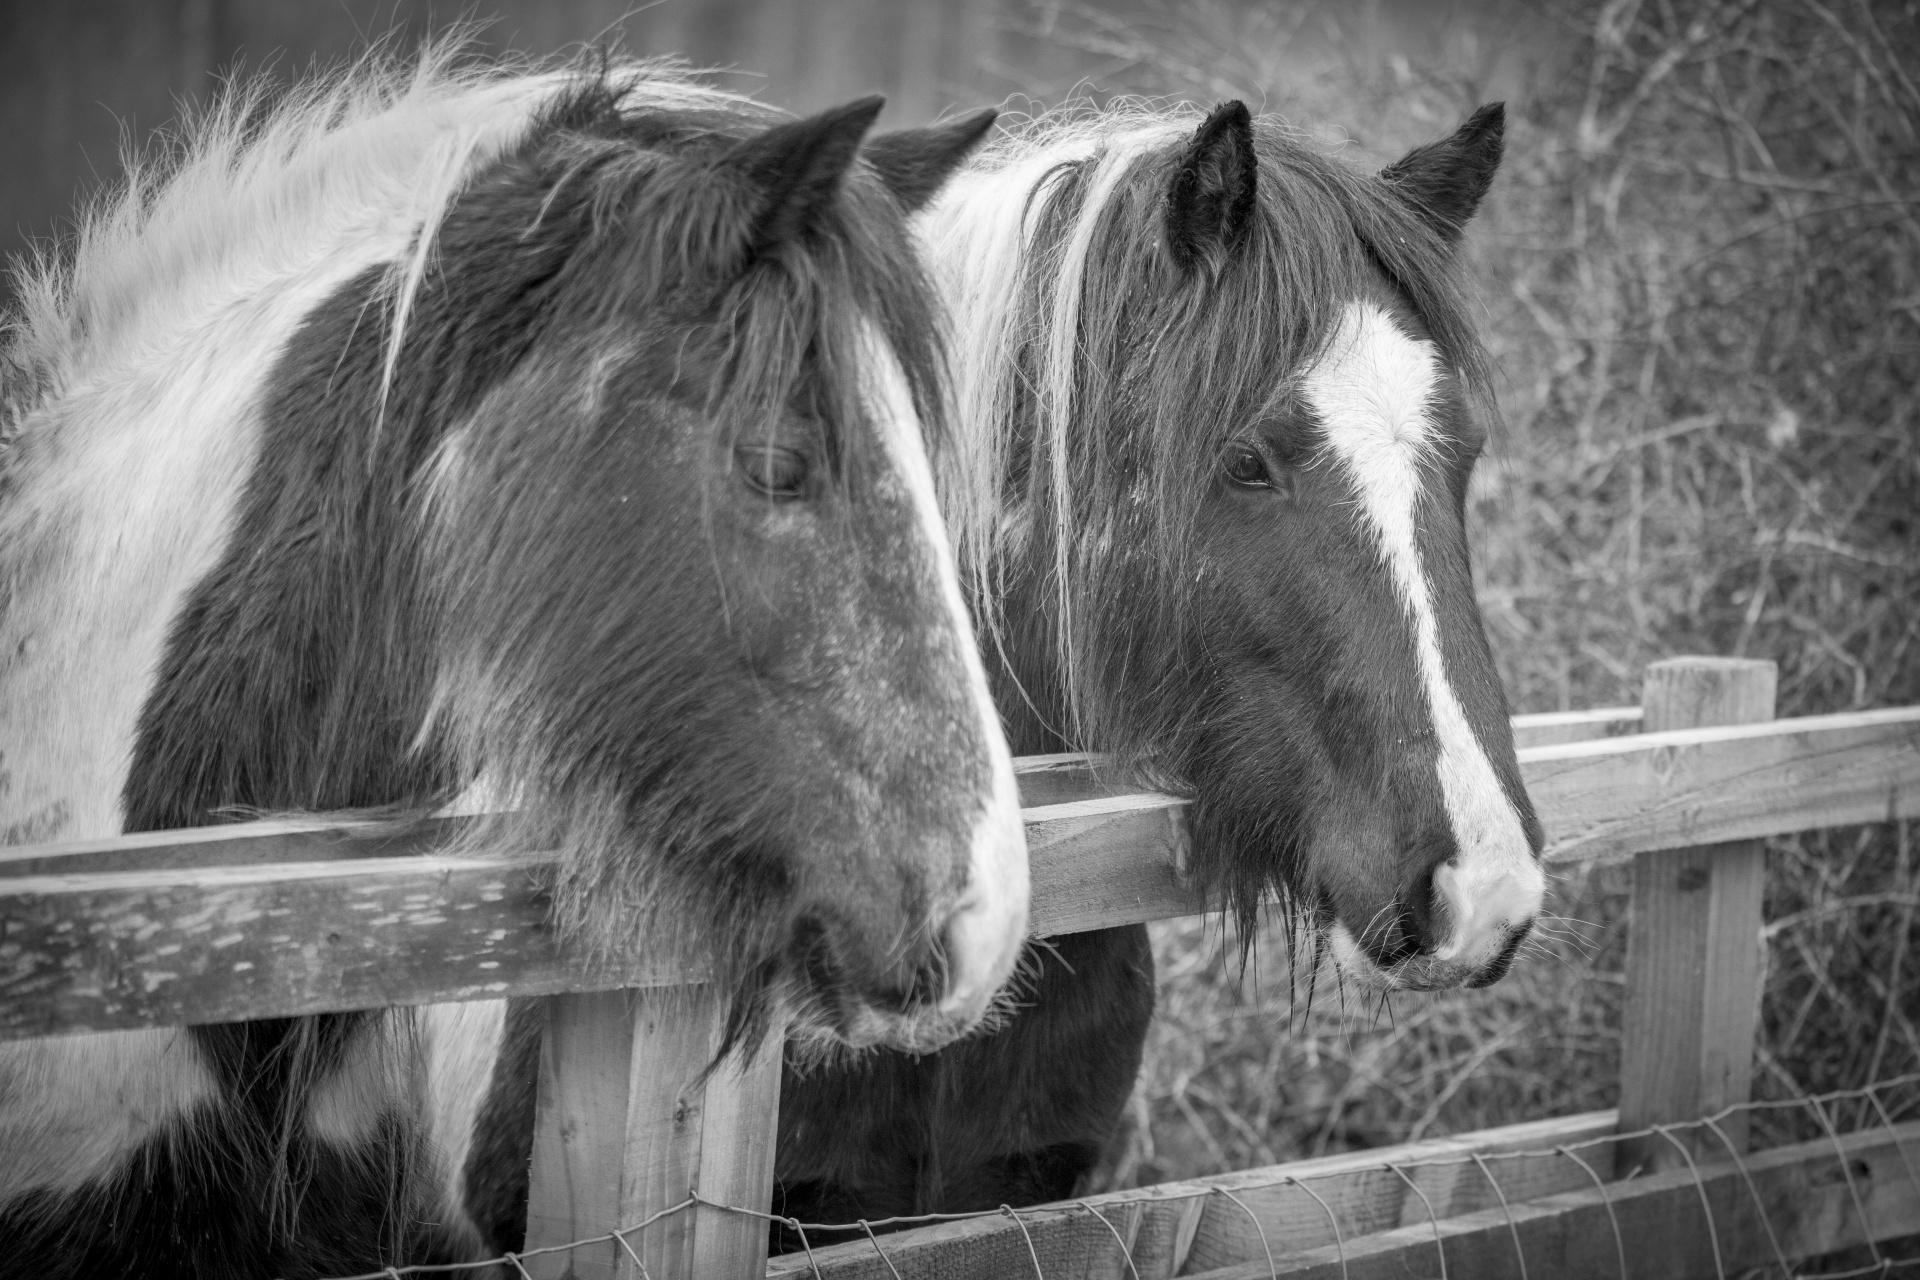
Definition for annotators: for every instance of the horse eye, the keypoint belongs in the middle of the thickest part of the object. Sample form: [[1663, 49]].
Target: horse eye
[[771, 470], [1245, 466]]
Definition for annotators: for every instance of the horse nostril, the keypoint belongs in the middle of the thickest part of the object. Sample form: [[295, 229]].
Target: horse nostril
[[1404, 946], [1396, 939], [835, 960], [1496, 969]]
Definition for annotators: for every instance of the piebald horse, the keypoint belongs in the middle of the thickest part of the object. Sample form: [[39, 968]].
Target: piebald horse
[[551, 435], [1219, 397]]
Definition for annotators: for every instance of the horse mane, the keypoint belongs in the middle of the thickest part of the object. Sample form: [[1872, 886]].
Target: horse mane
[[261, 186], [1093, 388]]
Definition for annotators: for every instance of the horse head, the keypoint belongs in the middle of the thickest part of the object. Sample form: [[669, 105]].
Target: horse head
[[1216, 512], [614, 498]]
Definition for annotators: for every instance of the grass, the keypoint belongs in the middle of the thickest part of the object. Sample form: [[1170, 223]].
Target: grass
[[1701, 272]]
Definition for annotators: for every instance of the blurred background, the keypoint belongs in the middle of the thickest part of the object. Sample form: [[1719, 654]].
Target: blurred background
[[1700, 276], [78, 77]]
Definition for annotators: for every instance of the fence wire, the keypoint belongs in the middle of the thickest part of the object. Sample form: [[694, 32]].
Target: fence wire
[[1821, 1108]]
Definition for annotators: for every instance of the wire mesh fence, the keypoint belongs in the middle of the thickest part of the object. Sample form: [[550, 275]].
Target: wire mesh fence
[[1856, 1127]]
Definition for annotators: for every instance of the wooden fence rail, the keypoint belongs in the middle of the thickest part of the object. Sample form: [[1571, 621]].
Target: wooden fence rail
[[273, 919], [281, 918]]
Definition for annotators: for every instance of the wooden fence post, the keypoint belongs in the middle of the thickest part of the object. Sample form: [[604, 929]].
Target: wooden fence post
[[1694, 956], [624, 1128]]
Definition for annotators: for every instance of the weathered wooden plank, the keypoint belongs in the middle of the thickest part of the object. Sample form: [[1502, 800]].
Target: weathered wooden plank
[[126, 949], [1178, 1227], [1608, 800], [1694, 955], [217, 944], [617, 1128], [1112, 859], [1801, 1193], [1098, 863], [581, 1113], [1550, 728], [736, 1164], [631, 1116]]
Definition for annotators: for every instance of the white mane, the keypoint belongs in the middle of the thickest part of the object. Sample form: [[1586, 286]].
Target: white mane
[[264, 188], [980, 239]]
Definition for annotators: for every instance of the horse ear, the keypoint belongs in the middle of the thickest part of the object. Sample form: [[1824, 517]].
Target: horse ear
[[1214, 189], [1444, 181], [798, 167], [915, 163]]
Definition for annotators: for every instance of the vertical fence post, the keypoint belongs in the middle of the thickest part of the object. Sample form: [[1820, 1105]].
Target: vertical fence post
[[624, 1127], [1694, 959]]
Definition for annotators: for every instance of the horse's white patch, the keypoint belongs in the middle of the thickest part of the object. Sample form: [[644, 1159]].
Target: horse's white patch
[[461, 1043], [979, 234], [148, 357], [71, 1108], [989, 925], [1373, 391]]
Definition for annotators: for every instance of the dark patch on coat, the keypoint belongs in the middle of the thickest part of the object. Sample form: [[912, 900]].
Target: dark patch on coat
[[178, 1209], [1017, 1117], [497, 1168]]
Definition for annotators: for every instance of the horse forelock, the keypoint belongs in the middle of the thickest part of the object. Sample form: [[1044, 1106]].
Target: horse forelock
[[839, 316], [1094, 385]]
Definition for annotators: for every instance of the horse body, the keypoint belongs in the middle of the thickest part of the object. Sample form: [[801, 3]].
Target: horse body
[[1217, 406], [558, 433]]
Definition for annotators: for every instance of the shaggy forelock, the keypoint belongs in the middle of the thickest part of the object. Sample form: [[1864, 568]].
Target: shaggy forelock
[[651, 846], [1117, 380]]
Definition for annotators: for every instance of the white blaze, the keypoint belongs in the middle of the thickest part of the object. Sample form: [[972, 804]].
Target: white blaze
[[989, 925], [1374, 391]]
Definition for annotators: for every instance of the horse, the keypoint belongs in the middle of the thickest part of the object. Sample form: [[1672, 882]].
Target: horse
[[551, 434], [1219, 397]]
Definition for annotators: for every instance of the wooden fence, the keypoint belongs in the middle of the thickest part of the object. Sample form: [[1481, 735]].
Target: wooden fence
[[274, 919]]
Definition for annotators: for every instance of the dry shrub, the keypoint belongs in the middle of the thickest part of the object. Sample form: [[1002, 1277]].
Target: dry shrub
[[1701, 269]]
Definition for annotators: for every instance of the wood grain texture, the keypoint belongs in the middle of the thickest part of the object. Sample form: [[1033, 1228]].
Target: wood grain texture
[[736, 1163], [631, 1115], [181, 946], [1605, 801], [1179, 1227], [1100, 863], [1800, 1191], [1694, 953], [124, 948], [617, 1128], [580, 1124]]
